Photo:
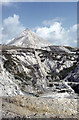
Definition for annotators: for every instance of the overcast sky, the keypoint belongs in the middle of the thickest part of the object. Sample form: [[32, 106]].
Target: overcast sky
[[54, 21]]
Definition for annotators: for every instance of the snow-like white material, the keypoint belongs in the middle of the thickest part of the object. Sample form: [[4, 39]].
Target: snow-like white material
[[21, 58], [68, 86], [64, 49], [36, 63], [58, 57], [7, 85], [56, 95], [68, 63], [29, 39], [47, 64], [39, 62], [25, 69]]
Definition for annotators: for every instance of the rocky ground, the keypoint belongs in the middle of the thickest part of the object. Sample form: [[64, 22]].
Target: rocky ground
[[39, 83], [38, 71], [35, 107]]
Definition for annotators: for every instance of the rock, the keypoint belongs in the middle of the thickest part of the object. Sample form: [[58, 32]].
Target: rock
[[51, 73], [23, 71], [38, 107], [29, 39]]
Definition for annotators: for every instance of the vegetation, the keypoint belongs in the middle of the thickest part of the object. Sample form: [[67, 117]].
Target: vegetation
[[11, 67], [62, 74], [22, 76], [65, 71]]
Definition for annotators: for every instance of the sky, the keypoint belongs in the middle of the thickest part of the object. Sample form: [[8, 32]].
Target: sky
[[54, 21]]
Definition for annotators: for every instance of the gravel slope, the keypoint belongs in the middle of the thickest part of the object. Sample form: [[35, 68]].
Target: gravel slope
[[35, 107]]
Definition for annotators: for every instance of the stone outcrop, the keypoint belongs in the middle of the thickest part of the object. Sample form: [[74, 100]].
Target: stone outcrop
[[36, 71]]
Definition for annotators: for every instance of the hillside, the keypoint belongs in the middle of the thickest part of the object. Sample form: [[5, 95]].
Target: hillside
[[29, 39], [34, 73], [36, 70]]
